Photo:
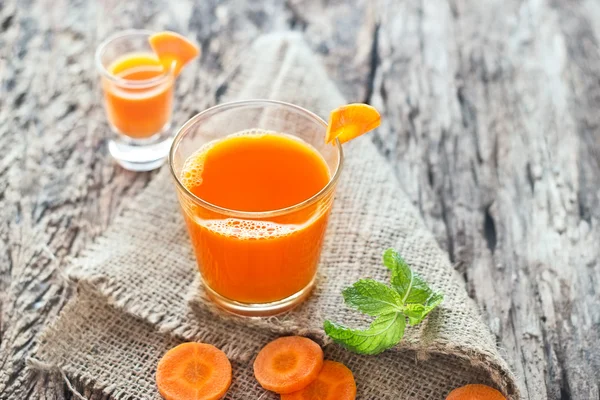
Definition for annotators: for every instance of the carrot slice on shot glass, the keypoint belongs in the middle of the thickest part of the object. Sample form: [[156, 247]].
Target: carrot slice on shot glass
[[193, 371], [350, 121], [173, 50]]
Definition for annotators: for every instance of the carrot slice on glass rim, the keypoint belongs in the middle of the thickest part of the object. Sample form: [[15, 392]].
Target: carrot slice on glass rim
[[193, 371], [351, 121], [173, 50]]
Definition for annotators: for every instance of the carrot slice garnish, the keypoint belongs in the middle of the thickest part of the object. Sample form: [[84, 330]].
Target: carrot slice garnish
[[334, 382], [350, 121], [475, 392], [173, 50], [288, 364], [193, 371]]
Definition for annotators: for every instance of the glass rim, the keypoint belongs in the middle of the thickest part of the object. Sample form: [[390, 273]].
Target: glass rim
[[181, 133], [141, 83]]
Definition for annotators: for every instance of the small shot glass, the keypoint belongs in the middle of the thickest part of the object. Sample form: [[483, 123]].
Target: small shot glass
[[138, 99]]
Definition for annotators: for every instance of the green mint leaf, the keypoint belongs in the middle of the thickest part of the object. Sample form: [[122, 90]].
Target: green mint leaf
[[412, 288], [417, 312], [383, 333], [409, 297], [393, 261], [372, 298]]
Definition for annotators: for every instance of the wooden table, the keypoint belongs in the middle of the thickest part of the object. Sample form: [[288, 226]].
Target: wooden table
[[491, 118]]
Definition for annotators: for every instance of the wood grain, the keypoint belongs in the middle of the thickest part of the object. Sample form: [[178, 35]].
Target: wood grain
[[490, 118]]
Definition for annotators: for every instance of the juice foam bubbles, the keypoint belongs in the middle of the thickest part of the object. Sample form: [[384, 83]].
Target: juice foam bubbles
[[249, 229]]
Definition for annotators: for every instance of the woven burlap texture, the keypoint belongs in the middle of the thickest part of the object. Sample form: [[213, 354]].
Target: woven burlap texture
[[138, 291]]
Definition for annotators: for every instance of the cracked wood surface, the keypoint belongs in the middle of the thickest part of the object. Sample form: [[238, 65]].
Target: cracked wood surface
[[491, 119]]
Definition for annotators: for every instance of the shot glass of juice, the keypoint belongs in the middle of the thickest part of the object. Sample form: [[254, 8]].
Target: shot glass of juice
[[256, 182], [138, 98]]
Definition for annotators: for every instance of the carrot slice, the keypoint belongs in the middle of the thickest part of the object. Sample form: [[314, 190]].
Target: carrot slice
[[475, 392], [193, 371], [288, 364], [334, 382], [350, 121], [173, 50]]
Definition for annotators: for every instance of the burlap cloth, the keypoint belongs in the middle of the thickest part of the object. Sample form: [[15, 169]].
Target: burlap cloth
[[138, 294]]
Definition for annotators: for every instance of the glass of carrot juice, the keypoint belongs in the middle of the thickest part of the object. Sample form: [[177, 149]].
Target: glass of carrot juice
[[138, 98], [256, 182]]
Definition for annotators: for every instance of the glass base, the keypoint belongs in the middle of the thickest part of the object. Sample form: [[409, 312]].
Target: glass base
[[141, 154], [261, 309]]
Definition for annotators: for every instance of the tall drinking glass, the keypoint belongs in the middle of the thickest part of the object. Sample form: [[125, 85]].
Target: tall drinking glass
[[256, 262], [138, 99]]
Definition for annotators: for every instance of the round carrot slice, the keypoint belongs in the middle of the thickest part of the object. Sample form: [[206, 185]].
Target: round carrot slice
[[173, 50], [288, 364], [334, 382], [193, 371], [475, 392], [351, 121]]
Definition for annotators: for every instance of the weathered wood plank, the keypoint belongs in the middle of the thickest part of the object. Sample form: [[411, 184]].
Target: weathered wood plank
[[492, 122], [343, 34]]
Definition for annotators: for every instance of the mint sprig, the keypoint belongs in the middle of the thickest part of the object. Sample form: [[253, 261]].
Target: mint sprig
[[408, 297]]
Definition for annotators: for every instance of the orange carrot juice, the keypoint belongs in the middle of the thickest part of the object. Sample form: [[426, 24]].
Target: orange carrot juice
[[139, 104], [253, 260]]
